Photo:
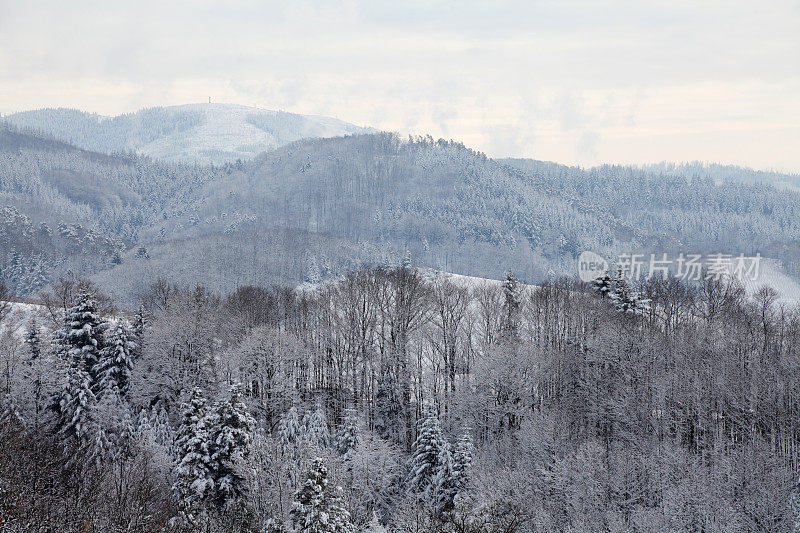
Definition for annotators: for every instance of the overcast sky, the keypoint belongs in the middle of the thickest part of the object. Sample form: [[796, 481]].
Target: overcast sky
[[568, 81]]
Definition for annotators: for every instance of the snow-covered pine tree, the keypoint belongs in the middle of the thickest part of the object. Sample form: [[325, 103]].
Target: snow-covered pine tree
[[313, 274], [126, 430], [316, 428], [231, 428], [37, 277], [33, 339], [453, 478], [194, 471], [164, 433], [113, 426], [443, 491], [603, 285], [317, 508], [116, 362], [137, 328], [143, 425], [429, 454], [150, 434], [290, 432], [80, 340], [375, 525], [41, 375], [349, 434], [462, 462], [74, 404], [154, 424], [627, 300], [511, 305]]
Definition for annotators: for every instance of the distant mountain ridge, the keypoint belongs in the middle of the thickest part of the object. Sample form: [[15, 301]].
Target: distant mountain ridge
[[192, 133]]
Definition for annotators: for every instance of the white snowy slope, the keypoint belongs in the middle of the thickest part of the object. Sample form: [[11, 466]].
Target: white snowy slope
[[18, 316], [429, 274], [771, 274], [230, 132]]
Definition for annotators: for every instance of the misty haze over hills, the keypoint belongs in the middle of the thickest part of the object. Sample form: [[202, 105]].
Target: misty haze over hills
[[316, 208]]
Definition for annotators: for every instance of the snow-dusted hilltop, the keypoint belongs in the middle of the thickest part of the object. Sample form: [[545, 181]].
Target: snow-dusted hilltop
[[193, 133]]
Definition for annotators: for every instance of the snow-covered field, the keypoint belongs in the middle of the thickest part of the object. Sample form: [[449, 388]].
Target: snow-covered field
[[227, 134], [772, 275]]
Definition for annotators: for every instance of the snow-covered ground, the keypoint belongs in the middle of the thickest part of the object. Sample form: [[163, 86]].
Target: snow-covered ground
[[429, 274], [19, 315], [772, 275]]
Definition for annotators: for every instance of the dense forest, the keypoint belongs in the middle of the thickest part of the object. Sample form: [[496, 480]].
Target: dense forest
[[319, 208], [274, 344], [392, 401]]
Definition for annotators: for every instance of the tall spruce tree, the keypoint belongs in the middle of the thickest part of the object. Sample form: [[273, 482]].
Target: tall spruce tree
[[316, 428], [37, 370], [231, 428], [317, 508], [113, 427], [33, 339], [512, 304], [625, 299], [462, 462], [138, 328], [429, 456], [74, 405], [195, 468], [10, 417], [79, 343], [80, 340], [453, 478], [290, 432], [603, 285], [116, 361], [349, 434]]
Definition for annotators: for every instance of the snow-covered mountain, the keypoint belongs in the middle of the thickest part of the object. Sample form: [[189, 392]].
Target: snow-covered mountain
[[192, 133], [317, 208]]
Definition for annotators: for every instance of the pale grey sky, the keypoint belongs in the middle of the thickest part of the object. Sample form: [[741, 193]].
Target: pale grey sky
[[571, 81]]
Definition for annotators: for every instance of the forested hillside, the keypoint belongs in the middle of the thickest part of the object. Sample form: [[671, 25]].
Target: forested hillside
[[318, 208], [174, 378], [69, 209], [388, 402], [442, 205]]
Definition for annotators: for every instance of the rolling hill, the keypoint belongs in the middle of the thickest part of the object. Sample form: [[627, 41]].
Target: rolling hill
[[316, 208], [193, 133]]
